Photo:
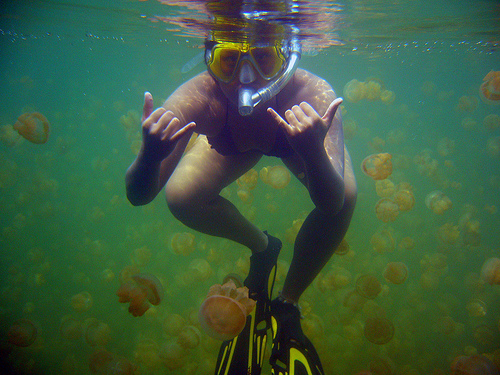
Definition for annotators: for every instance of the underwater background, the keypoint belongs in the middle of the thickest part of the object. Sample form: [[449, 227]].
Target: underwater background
[[410, 72]]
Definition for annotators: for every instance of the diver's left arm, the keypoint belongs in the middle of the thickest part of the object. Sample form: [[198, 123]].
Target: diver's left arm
[[306, 131]]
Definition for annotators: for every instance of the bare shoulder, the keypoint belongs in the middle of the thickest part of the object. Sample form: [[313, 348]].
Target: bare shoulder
[[308, 87], [199, 99]]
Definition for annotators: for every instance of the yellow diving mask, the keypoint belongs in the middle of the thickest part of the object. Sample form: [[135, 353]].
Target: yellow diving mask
[[223, 59]]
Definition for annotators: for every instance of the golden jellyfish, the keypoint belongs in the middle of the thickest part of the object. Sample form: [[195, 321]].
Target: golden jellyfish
[[404, 199], [278, 177], [490, 271], [71, 328], [368, 286], [379, 330], [223, 313], [386, 210], [396, 272], [173, 324], [493, 147], [467, 103], [144, 288], [383, 241], [387, 96], [438, 202], [22, 333], [355, 90], [490, 89], [173, 355], [235, 278], [183, 243], [201, 269], [476, 308], [377, 166], [189, 337], [104, 362], [82, 302], [373, 89], [249, 180], [491, 122], [473, 365], [385, 188], [33, 126], [97, 333]]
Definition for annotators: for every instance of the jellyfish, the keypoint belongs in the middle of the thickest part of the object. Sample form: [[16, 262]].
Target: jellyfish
[[490, 89], [493, 147], [377, 166], [438, 202], [467, 103], [490, 271], [491, 122], [373, 89], [96, 333], [173, 355], [368, 286], [173, 324], [147, 353], [387, 96], [183, 243], [104, 362], [71, 328], [249, 180], [355, 90], [473, 365], [82, 302], [476, 308], [201, 269], [235, 278], [386, 210], [223, 313], [396, 272], [385, 188], [22, 333], [143, 288], [34, 127], [189, 337], [383, 241], [379, 330], [278, 177]]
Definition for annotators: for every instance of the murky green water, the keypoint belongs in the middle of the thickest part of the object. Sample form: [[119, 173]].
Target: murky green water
[[66, 226]]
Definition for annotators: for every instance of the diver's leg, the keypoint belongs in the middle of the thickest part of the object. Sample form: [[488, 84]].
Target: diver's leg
[[318, 237], [192, 194]]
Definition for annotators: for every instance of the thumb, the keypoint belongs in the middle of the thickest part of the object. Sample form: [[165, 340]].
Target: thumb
[[148, 105], [332, 109]]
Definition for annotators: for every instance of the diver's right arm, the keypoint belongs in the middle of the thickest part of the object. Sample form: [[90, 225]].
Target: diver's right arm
[[163, 143]]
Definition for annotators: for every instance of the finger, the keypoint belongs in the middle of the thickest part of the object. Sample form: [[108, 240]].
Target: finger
[[183, 131], [332, 109], [148, 106], [281, 122], [292, 119], [301, 116], [153, 119], [308, 109], [166, 121]]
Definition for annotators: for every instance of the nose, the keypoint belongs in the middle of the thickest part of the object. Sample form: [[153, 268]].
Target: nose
[[247, 74]]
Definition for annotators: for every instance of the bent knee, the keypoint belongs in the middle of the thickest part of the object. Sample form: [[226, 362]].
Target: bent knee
[[182, 199]]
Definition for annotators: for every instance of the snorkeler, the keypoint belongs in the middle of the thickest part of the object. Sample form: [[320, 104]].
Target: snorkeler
[[252, 101]]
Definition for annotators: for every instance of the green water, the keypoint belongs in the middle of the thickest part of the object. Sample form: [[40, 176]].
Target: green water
[[66, 226]]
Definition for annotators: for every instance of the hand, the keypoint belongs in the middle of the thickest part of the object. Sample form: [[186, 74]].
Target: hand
[[161, 130], [304, 128]]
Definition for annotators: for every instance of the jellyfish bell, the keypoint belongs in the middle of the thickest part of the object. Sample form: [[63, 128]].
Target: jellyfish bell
[[82, 302], [151, 285], [490, 88], [278, 177], [473, 365], [34, 127], [189, 337], [355, 90], [70, 328], [379, 330], [96, 333], [368, 286], [377, 166], [438, 202], [22, 333], [396, 272], [490, 271], [386, 210], [223, 313]]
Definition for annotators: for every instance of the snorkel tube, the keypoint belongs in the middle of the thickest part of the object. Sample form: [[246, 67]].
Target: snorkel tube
[[248, 97]]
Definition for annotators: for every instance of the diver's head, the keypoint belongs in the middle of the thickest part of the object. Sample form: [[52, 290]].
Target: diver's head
[[247, 67]]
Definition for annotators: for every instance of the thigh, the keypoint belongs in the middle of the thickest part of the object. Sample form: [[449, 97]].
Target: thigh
[[202, 172]]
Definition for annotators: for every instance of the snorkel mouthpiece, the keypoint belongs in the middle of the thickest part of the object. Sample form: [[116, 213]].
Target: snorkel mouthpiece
[[248, 98], [245, 101]]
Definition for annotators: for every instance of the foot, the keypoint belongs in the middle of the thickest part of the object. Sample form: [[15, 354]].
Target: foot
[[292, 352]]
